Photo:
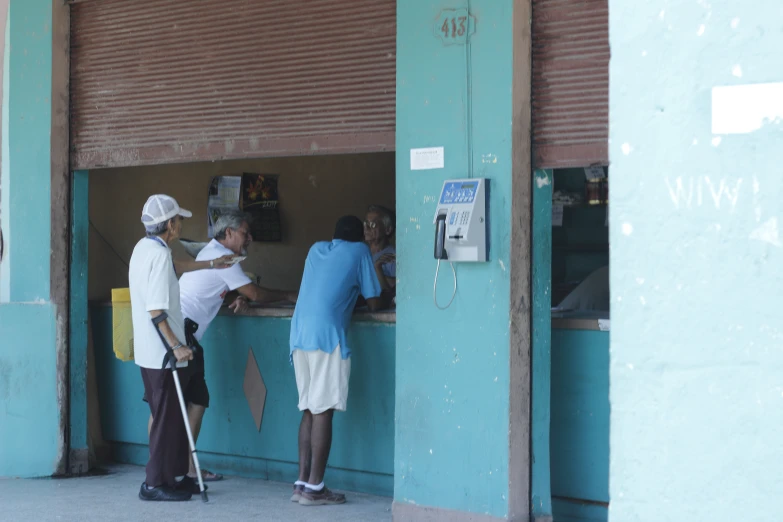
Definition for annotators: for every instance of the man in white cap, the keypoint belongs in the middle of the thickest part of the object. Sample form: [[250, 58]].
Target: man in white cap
[[154, 293]]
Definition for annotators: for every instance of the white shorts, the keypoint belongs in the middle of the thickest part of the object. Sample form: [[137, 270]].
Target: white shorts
[[322, 380]]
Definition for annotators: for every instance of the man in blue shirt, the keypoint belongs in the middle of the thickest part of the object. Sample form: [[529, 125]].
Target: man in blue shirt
[[335, 274]]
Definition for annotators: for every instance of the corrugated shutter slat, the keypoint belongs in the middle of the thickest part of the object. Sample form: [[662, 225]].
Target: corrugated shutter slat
[[163, 81], [570, 83]]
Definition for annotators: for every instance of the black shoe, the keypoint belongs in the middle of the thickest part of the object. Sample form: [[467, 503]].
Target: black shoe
[[163, 493], [190, 485]]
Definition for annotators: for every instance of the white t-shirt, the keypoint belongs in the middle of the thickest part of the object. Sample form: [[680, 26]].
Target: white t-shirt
[[153, 286], [202, 292]]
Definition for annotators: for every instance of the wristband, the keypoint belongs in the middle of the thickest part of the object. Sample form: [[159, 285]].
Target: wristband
[[179, 345]]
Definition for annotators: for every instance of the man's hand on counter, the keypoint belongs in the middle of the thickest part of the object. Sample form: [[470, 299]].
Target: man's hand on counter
[[239, 305], [377, 303], [259, 294]]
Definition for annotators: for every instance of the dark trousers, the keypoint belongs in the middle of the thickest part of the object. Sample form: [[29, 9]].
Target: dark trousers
[[169, 449]]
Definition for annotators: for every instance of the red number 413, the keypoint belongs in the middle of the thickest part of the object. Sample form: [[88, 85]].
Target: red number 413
[[454, 27]]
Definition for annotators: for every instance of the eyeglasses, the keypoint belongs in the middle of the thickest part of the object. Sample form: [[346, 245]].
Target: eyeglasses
[[370, 224]]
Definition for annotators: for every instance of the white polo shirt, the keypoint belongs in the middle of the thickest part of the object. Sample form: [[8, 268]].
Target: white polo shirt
[[153, 286], [203, 291]]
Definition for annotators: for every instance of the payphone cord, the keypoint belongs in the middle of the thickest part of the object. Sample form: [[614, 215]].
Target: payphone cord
[[435, 286]]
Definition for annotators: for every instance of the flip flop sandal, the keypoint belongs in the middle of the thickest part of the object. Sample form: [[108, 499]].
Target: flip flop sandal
[[208, 476]]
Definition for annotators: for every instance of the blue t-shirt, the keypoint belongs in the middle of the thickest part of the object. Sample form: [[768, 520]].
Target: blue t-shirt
[[389, 269], [335, 274]]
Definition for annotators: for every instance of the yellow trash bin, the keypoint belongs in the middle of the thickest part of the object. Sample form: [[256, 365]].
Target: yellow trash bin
[[122, 323]]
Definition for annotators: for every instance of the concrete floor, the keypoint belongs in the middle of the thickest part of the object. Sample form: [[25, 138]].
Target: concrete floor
[[114, 497]]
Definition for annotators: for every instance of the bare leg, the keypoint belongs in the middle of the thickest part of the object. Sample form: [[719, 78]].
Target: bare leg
[[321, 444], [305, 450], [195, 416]]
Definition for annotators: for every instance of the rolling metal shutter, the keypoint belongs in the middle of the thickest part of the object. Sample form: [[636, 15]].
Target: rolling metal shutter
[[570, 83], [165, 81]]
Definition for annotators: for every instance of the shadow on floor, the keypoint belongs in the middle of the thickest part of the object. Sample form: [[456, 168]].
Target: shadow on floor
[[112, 494]]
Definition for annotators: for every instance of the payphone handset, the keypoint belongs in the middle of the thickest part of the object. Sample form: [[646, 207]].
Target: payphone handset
[[440, 237], [461, 225]]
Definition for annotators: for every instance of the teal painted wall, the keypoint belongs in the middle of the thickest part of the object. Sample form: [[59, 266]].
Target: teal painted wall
[[29, 414], [5, 170], [77, 359], [580, 421], [569, 511], [541, 491], [696, 259], [363, 445], [30, 442], [29, 113], [452, 393]]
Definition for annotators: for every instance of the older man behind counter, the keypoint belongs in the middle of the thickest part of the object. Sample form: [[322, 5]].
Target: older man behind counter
[[378, 233]]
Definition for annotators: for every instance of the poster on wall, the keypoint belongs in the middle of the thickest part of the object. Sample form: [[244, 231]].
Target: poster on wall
[[224, 193], [260, 202], [557, 214]]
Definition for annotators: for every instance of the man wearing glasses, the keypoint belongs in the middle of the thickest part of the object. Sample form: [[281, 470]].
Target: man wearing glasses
[[203, 292], [378, 233]]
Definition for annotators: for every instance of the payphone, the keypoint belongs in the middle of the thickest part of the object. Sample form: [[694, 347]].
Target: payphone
[[461, 225]]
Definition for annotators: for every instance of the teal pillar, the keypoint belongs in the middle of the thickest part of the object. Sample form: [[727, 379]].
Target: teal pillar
[[5, 171], [543, 183], [462, 390], [29, 116], [32, 441], [80, 218], [696, 130]]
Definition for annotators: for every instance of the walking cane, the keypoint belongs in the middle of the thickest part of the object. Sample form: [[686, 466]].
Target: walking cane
[[169, 357]]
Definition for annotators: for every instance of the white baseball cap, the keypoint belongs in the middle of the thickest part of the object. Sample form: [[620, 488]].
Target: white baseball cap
[[159, 208]]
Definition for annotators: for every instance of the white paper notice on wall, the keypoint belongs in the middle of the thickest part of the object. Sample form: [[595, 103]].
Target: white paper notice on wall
[[742, 109], [427, 159], [595, 172], [557, 214]]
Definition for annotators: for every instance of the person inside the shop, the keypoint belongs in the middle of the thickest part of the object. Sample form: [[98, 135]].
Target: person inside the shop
[[335, 273], [203, 292], [378, 233], [154, 291]]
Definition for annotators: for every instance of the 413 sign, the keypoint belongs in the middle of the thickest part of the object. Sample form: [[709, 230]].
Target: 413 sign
[[454, 26]]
